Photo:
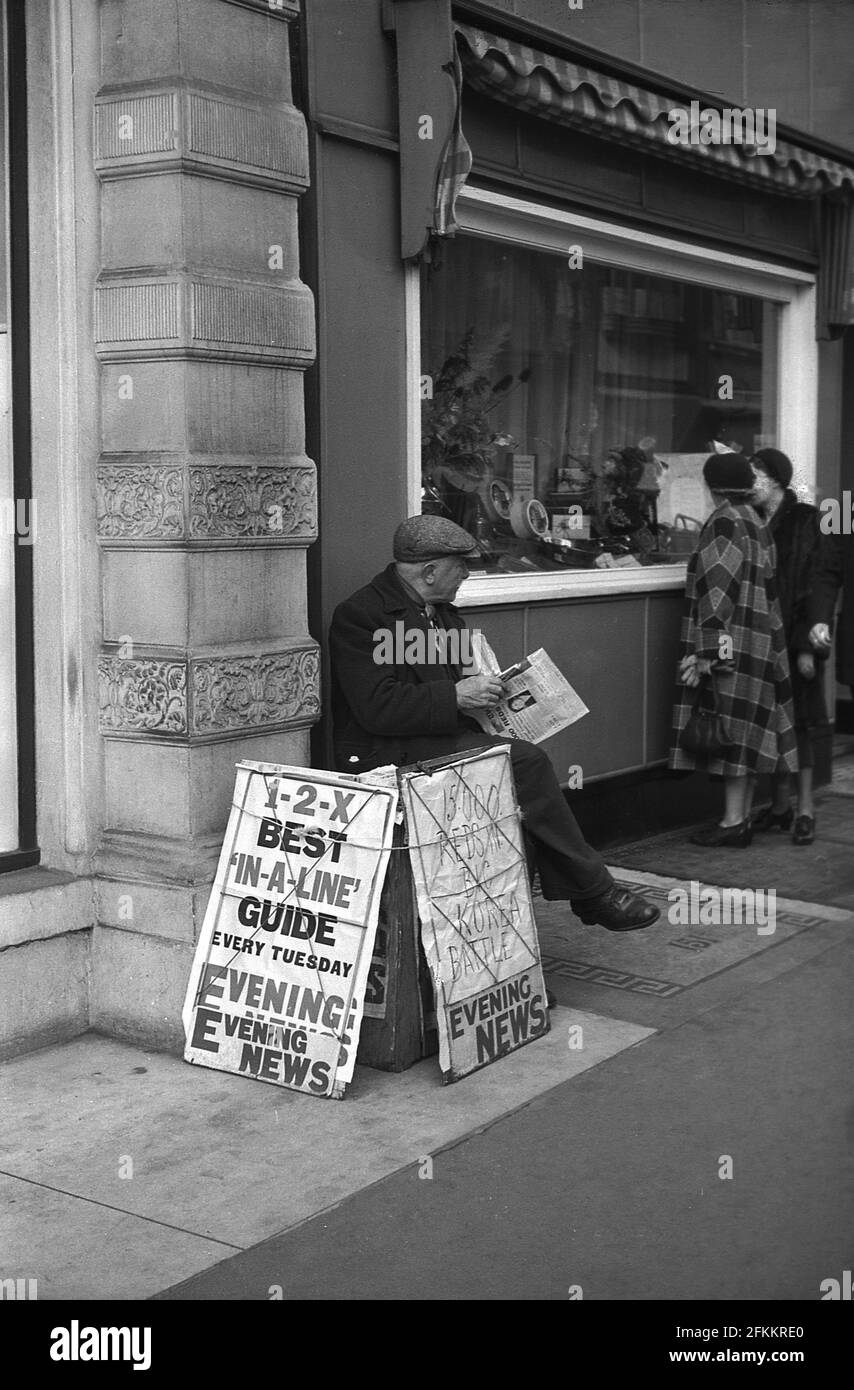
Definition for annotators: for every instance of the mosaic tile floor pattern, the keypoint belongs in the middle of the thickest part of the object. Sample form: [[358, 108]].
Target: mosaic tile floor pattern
[[683, 948]]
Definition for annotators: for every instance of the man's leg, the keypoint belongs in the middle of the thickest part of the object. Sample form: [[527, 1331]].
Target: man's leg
[[569, 867]]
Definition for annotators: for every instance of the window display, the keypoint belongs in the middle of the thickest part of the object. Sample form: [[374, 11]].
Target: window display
[[566, 414]]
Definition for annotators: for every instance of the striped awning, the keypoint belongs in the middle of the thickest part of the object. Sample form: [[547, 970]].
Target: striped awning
[[571, 94]]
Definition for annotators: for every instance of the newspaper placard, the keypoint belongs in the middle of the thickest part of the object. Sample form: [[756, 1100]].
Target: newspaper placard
[[474, 901], [277, 987], [539, 700], [376, 990]]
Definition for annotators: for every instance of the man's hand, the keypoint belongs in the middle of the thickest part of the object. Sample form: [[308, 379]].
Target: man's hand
[[693, 668], [806, 665], [820, 637], [478, 692]]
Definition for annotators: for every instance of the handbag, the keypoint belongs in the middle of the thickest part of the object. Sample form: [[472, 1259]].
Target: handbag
[[706, 734]]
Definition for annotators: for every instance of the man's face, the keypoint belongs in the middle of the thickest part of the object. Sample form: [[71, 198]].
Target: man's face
[[448, 574]]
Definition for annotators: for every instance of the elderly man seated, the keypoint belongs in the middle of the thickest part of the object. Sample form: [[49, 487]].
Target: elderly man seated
[[403, 711]]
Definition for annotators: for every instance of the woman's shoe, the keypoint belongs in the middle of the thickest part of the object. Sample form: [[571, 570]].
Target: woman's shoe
[[804, 831], [769, 819], [736, 836]]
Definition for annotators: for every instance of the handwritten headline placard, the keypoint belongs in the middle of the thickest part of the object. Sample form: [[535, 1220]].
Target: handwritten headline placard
[[277, 987], [474, 900]]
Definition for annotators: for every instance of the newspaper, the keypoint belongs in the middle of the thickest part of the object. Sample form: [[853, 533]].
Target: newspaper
[[539, 700]]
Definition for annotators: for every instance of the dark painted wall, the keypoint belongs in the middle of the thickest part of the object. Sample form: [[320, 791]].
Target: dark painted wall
[[793, 55], [620, 654], [602, 176]]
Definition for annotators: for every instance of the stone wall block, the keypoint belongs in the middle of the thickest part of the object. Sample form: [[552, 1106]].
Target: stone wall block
[[231, 409], [242, 409], [44, 992], [154, 909], [244, 46], [138, 987], [194, 784], [201, 222], [187, 128], [204, 598], [139, 316]]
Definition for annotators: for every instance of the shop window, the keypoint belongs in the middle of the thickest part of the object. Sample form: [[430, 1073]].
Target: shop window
[[566, 412]]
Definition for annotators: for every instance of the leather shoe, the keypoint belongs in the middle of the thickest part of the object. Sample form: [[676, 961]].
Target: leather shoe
[[618, 910], [804, 831], [769, 819], [714, 836]]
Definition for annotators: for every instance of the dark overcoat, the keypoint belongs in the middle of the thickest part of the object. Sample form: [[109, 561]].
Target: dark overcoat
[[391, 713], [797, 539], [835, 571], [732, 617]]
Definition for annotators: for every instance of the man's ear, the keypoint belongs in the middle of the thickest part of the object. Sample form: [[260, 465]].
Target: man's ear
[[428, 573]]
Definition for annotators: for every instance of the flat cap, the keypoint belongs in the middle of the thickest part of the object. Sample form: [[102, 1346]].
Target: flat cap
[[431, 537]]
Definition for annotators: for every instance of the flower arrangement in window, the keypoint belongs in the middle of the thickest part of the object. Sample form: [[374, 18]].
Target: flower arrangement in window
[[458, 436]]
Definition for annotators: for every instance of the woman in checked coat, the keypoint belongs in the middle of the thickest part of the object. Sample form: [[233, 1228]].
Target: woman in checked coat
[[732, 635]]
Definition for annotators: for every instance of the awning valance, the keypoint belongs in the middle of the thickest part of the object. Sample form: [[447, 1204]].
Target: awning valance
[[571, 94]]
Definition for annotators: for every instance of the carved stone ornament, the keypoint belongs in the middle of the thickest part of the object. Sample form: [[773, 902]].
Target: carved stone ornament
[[140, 502], [227, 694], [270, 504], [141, 499], [142, 696], [235, 693]]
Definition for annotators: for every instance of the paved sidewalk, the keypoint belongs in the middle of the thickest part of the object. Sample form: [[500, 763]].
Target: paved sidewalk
[[128, 1174], [611, 1182], [822, 871], [153, 1169]]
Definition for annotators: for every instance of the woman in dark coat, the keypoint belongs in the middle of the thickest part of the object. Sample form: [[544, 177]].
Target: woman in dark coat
[[794, 527], [732, 634], [834, 571]]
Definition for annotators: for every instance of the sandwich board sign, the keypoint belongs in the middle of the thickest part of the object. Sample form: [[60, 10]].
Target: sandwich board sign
[[277, 985], [474, 901]]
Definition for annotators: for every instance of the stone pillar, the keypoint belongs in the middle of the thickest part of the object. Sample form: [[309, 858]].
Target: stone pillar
[[206, 500]]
